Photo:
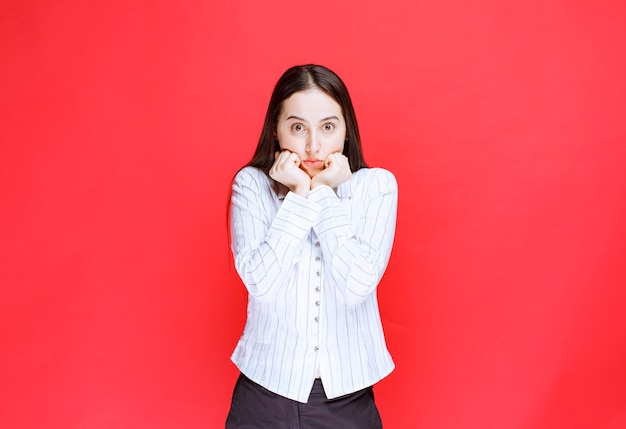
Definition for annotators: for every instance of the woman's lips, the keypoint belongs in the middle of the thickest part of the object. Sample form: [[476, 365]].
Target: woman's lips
[[313, 162]]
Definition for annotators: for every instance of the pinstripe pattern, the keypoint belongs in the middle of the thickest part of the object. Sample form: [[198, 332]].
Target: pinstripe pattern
[[311, 267]]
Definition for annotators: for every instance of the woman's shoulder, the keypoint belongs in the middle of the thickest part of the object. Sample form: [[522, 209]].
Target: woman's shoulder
[[376, 176], [248, 173]]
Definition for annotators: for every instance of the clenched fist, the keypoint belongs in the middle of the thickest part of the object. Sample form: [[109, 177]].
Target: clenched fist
[[286, 170], [336, 171]]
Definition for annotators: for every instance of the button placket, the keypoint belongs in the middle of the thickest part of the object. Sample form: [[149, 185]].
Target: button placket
[[318, 289]]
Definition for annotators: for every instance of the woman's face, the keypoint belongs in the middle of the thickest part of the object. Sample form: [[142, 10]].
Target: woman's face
[[311, 125]]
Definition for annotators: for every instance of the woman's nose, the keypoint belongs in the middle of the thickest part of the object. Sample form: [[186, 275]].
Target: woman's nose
[[313, 145]]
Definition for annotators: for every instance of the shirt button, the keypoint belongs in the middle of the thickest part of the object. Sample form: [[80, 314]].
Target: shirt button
[[317, 319], [317, 303], [317, 244], [317, 274], [316, 348], [317, 258], [317, 289]]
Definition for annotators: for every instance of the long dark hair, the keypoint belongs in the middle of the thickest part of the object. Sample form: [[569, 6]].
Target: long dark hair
[[300, 78]]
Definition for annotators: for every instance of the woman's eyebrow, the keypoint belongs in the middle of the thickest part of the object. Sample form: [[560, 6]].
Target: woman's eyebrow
[[296, 118]]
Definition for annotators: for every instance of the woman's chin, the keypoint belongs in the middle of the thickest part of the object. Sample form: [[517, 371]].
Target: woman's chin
[[312, 172]]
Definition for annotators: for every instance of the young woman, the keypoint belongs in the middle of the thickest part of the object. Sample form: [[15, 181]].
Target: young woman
[[312, 229]]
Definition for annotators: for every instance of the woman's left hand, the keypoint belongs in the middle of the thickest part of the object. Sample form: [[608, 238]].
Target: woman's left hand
[[336, 171]]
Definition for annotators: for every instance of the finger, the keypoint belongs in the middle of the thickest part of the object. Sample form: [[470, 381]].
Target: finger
[[295, 158], [284, 157], [335, 160]]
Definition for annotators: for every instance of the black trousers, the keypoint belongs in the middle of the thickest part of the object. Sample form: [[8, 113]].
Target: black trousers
[[254, 407]]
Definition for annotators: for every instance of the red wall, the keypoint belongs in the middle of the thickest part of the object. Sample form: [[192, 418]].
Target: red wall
[[122, 124]]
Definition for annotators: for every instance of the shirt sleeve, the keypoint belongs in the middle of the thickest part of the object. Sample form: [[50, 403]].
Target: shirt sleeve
[[358, 249], [265, 240]]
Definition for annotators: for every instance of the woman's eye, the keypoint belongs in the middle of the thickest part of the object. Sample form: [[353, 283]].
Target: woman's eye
[[297, 127], [328, 127]]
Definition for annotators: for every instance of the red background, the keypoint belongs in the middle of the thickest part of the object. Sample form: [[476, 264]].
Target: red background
[[122, 124]]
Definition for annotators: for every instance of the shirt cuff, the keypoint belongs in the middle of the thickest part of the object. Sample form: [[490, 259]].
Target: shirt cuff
[[333, 215], [296, 216]]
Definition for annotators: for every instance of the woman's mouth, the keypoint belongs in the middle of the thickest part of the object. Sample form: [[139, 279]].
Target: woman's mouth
[[313, 162]]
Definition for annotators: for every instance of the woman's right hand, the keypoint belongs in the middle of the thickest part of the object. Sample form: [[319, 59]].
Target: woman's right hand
[[286, 170]]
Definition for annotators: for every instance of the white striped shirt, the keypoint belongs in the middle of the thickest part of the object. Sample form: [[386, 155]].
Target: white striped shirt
[[311, 267]]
